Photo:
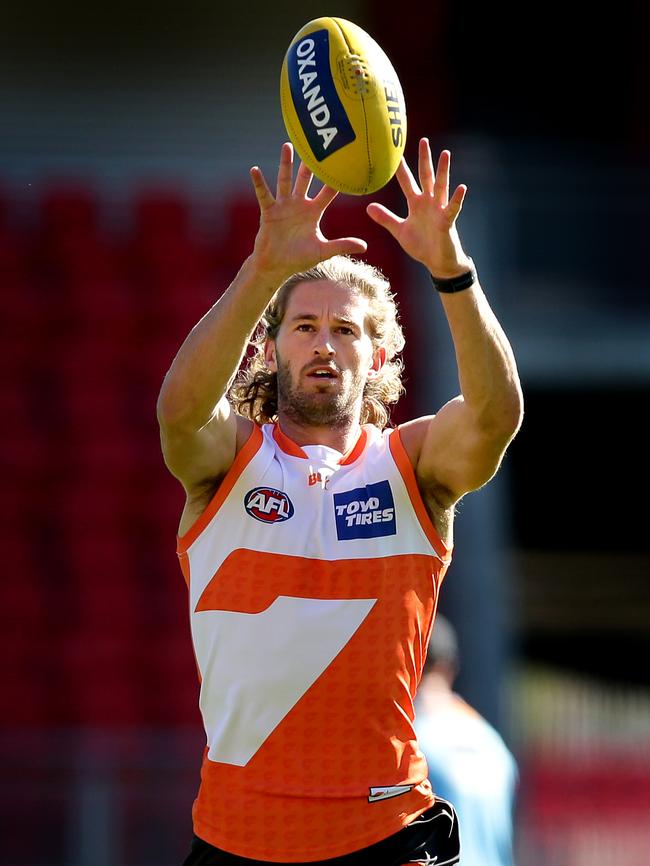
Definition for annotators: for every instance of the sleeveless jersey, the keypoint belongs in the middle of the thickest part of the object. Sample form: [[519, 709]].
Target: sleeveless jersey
[[313, 581]]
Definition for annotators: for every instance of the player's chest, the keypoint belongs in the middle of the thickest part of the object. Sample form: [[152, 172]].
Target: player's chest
[[312, 496]]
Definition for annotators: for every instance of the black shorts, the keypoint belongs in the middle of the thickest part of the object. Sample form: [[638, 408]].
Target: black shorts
[[431, 839]]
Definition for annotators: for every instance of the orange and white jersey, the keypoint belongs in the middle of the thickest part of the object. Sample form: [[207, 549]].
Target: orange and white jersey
[[313, 580]]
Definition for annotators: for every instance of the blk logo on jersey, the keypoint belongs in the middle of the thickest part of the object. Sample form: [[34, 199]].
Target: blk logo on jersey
[[365, 512], [268, 505]]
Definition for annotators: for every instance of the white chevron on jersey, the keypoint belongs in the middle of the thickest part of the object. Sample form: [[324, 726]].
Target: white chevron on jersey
[[259, 665]]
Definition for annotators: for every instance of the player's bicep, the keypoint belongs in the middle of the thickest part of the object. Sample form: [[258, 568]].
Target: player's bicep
[[453, 453], [198, 457]]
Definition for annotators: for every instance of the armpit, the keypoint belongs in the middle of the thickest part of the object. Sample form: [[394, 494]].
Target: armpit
[[442, 516]]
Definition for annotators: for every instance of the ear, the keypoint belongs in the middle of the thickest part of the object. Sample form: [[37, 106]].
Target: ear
[[378, 361], [269, 356]]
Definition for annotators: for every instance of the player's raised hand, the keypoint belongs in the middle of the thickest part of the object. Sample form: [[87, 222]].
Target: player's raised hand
[[428, 233], [289, 237]]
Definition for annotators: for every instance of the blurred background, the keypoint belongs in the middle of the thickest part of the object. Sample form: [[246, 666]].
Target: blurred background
[[126, 134]]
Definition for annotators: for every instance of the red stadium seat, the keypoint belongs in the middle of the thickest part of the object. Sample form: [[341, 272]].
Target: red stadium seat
[[23, 598], [73, 247], [100, 446], [170, 266], [162, 211], [163, 500], [170, 683], [25, 449], [14, 266], [102, 578], [94, 408], [103, 309], [165, 252], [100, 674], [20, 511], [97, 379], [75, 260], [27, 682], [242, 219], [68, 208], [83, 506], [29, 315]]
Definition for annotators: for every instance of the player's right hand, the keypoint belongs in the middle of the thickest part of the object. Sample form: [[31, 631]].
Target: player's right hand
[[289, 238]]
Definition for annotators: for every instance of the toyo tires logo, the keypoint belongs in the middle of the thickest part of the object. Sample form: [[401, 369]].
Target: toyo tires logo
[[365, 512], [268, 505]]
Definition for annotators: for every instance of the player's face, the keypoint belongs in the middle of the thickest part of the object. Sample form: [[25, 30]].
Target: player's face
[[323, 354]]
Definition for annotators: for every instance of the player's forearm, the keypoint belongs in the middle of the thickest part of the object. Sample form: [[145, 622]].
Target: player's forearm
[[211, 353], [487, 369]]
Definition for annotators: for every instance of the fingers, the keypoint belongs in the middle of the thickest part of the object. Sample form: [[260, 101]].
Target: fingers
[[441, 185], [434, 184], [344, 247], [384, 218], [325, 197], [285, 171], [284, 182], [303, 181], [456, 201], [406, 180], [262, 191], [425, 166], [285, 178]]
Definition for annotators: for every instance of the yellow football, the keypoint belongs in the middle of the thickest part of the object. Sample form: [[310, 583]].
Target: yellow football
[[343, 106]]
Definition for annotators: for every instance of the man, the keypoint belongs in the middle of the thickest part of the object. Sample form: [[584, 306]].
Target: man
[[314, 546], [468, 761]]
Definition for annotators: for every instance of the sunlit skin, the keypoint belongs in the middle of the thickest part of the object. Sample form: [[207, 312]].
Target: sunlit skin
[[452, 452], [323, 356]]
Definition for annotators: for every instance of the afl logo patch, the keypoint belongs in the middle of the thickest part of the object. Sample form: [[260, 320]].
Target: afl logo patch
[[268, 505]]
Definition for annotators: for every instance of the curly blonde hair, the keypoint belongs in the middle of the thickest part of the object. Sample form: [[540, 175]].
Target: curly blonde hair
[[254, 392]]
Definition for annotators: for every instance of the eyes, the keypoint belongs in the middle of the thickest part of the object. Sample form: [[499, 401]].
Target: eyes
[[344, 330]]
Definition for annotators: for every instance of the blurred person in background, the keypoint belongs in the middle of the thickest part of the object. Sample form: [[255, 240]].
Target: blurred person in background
[[469, 763]]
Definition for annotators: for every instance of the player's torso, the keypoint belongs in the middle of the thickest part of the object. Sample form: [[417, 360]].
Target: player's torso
[[313, 585]]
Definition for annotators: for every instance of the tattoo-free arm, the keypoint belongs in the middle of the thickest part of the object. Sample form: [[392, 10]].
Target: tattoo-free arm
[[461, 447], [199, 430]]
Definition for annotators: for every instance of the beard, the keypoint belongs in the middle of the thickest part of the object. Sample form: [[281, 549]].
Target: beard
[[329, 407]]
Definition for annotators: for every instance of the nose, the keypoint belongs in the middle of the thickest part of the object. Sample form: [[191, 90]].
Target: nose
[[323, 346]]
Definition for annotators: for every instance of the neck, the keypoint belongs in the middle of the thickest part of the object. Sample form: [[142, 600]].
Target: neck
[[341, 439]]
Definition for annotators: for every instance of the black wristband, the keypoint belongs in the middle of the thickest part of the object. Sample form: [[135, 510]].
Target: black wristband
[[456, 284]]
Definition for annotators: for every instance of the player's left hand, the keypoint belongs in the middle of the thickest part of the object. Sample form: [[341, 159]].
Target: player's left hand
[[429, 232]]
